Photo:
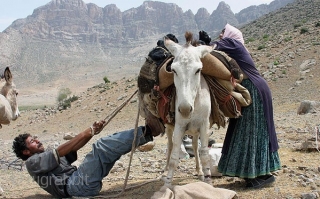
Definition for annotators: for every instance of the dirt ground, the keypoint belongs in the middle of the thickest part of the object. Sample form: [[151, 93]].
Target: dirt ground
[[300, 173]]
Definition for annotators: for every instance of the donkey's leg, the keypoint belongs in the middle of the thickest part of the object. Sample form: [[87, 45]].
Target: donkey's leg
[[195, 146], [205, 161], [169, 132], [174, 158], [204, 154]]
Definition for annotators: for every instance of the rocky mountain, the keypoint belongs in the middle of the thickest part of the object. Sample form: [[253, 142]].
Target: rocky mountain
[[285, 46], [70, 42], [253, 12]]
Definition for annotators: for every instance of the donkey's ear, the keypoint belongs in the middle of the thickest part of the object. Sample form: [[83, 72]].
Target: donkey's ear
[[8, 75], [173, 47], [204, 50]]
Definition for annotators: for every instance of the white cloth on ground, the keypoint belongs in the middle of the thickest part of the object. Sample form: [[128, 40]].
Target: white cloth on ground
[[196, 190]]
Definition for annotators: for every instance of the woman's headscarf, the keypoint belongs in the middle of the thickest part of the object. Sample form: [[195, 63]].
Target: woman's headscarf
[[233, 33]]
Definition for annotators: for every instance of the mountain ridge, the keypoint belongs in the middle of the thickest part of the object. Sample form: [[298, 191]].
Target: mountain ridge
[[67, 42]]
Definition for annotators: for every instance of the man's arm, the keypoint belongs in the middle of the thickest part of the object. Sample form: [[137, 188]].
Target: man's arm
[[81, 139]]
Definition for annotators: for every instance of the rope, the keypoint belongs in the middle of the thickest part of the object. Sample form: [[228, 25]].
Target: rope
[[115, 112], [108, 119], [317, 130], [112, 115]]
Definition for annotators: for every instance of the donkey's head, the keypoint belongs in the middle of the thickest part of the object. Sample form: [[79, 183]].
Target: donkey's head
[[9, 92], [186, 67]]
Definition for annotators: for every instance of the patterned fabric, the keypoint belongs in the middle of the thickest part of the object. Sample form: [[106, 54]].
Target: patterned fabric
[[227, 103], [239, 53], [251, 131]]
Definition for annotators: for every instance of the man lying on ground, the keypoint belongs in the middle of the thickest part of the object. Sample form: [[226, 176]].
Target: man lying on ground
[[53, 171]]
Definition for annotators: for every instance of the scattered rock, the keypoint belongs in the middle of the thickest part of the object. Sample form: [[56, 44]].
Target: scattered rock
[[308, 106], [68, 136]]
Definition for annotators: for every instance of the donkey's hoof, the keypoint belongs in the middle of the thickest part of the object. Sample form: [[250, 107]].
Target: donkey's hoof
[[167, 181], [201, 177], [164, 178], [208, 180], [168, 185]]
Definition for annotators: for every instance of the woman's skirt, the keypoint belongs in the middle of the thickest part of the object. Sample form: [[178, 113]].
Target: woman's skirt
[[249, 155]]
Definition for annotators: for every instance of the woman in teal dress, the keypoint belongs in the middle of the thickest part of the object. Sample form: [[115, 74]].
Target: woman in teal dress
[[250, 149]]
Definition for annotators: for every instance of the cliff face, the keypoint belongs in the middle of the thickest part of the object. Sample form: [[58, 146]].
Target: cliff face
[[72, 37], [75, 20]]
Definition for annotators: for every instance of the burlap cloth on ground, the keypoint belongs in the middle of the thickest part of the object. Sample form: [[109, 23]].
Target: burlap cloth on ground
[[196, 190]]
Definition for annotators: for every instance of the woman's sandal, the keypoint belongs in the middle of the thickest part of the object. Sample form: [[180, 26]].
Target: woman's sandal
[[260, 181]]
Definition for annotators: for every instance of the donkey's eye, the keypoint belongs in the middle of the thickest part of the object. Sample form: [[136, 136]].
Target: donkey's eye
[[198, 71]]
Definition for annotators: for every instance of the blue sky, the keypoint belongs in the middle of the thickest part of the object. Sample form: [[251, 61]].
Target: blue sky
[[11, 10]]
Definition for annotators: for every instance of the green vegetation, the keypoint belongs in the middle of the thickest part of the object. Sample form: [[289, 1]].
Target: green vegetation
[[288, 39], [261, 47], [249, 40], [63, 100], [66, 103], [296, 26], [303, 30], [265, 37], [318, 24], [106, 80], [63, 94]]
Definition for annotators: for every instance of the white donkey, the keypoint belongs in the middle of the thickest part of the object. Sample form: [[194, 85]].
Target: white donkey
[[8, 99], [192, 107]]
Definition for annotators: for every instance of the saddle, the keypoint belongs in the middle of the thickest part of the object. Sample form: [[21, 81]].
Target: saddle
[[149, 90], [157, 91]]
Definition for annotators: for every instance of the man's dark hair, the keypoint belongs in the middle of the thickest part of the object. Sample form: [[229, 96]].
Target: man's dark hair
[[19, 145]]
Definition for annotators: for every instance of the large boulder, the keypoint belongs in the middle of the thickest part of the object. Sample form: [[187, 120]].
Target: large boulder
[[307, 106]]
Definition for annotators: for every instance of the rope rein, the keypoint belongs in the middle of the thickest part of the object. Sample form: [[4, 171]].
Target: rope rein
[[108, 119], [317, 132], [117, 110]]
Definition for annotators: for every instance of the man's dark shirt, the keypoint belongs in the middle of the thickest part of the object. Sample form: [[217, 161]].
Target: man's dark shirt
[[51, 172]]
